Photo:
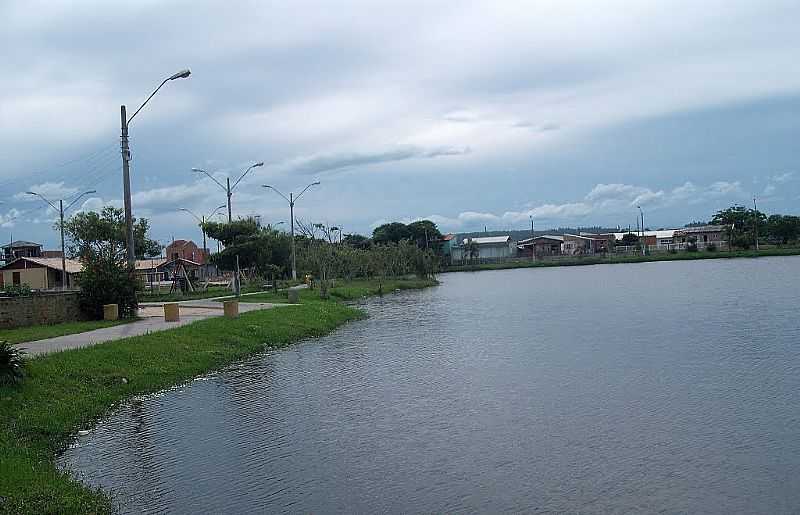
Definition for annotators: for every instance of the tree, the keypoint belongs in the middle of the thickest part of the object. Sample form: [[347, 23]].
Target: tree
[[98, 240], [783, 228], [741, 222], [259, 249], [423, 232], [390, 233], [356, 240], [93, 234], [629, 239]]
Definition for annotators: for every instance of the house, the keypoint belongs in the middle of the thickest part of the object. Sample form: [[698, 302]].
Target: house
[[186, 249], [486, 248], [662, 238], [18, 249], [577, 245], [448, 242], [39, 273], [704, 235], [148, 270], [540, 246]]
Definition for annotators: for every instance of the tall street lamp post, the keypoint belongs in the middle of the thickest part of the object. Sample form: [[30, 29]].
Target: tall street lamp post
[[126, 158], [202, 219], [227, 186], [61, 209], [291, 199], [755, 221], [644, 236]]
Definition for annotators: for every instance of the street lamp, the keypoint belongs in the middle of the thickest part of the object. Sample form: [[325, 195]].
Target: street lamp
[[643, 236], [202, 220], [291, 199], [227, 187], [61, 209], [126, 158]]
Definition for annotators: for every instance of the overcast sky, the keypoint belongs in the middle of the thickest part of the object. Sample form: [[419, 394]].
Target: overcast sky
[[471, 114]]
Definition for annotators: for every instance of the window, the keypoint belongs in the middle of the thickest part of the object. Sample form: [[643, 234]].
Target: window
[[16, 278]]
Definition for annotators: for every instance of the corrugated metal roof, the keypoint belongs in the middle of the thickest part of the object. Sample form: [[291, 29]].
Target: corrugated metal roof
[[21, 243], [702, 229], [666, 233], [147, 264], [490, 240]]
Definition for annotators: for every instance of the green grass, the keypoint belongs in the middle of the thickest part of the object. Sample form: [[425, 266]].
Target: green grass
[[346, 290], [40, 332], [71, 390], [612, 259], [211, 291]]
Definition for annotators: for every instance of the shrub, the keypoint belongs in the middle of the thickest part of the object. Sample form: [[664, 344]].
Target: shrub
[[106, 281], [17, 290], [691, 244], [12, 365], [711, 247]]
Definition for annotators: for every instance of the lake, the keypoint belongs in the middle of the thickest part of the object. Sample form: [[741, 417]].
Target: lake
[[655, 387]]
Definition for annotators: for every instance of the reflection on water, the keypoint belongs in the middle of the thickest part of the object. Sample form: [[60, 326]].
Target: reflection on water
[[651, 387]]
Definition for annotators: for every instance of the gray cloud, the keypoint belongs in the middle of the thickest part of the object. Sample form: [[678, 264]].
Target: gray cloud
[[341, 161], [370, 85]]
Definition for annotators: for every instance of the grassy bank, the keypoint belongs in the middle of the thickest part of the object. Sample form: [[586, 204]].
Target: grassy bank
[[71, 390], [612, 259], [347, 290], [40, 332], [213, 291]]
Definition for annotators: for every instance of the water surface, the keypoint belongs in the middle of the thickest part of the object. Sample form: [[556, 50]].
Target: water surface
[[655, 387]]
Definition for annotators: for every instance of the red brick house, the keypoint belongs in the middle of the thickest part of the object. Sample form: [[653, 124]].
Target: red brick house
[[185, 249]]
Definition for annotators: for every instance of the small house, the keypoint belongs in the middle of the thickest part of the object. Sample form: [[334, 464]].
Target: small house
[[39, 273], [540, 246]]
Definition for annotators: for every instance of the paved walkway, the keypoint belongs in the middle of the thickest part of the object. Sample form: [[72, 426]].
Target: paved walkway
[[151, 320]]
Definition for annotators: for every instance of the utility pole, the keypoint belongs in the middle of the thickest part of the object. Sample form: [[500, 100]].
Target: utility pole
[[126, 158], [230, 219], [64, 278], [755, 221], [126, 187], [61, 209], [291, 218], [533, 245]]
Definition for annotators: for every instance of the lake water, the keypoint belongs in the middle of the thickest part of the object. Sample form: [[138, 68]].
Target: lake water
[[653, 387]]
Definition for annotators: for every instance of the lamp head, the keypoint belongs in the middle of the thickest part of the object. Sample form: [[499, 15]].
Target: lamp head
[[181, 74], [315, 183], [261, 163]]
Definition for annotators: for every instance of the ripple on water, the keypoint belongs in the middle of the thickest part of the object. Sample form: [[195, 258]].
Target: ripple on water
[[664, 387]]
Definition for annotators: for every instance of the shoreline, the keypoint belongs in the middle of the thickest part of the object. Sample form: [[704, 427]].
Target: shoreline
[[591, 260], [69, 391]]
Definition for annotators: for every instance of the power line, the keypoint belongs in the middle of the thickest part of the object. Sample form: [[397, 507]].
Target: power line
[[92, 158]]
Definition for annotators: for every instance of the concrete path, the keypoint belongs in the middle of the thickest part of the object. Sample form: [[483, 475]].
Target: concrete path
[[151, 320]]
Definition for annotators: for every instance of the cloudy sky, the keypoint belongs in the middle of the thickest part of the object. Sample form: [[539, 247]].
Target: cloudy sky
[[470, 113]]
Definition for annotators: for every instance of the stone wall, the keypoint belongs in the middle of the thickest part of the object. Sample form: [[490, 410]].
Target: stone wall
[[39, 308]]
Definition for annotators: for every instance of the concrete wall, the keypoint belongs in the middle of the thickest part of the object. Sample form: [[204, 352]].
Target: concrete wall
[[40, 308]]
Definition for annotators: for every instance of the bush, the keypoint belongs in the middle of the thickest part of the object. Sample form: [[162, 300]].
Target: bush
[[106, 281], [16, 290], [12, 365], [711, 247]]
